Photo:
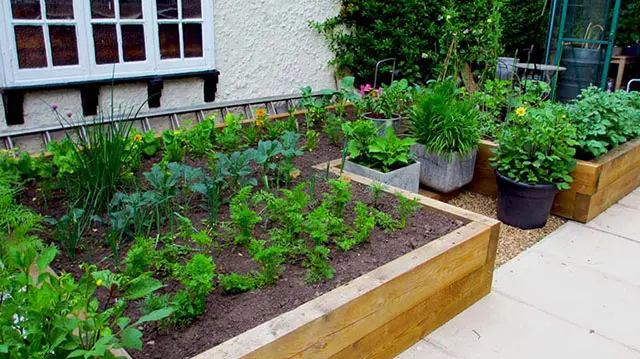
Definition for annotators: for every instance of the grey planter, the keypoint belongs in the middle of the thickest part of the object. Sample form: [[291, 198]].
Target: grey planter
[[407, 178], [384, 122], [443, 174]]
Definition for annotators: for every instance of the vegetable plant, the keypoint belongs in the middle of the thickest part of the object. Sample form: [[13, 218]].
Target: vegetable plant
[[381, 153], [604, 120], [230, 137], [237, 167], [243, 218], [265, 156], [537, 148]]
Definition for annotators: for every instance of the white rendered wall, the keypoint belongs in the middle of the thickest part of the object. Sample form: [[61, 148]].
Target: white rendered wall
[[262, 48]]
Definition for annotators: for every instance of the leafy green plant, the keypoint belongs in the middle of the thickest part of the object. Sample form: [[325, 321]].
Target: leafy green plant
[[199, 139], [406, 207], [444, 123], [141, 257], [234, 283], [381, 153], [45, 316], [312, 140], [384, 102], [317, 265], [537, 148], [386, 221], [290, 150], [211, 188], [270, 259], [237, 168], [604, 120], [363, 224], [197, 276], [316, 107], [251, 133], [265, 156], [333, 128], [376, 190], [174, 149], [71, 228], [338, 196], [148, 143], [230, 137], [27, 167], [243, 218]]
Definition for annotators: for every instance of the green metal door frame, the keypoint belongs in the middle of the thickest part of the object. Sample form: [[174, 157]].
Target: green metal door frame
[[561, 40]]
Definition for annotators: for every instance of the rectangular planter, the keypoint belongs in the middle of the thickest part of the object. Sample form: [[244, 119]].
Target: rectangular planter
[[407, 178], [596, 185], [442, 173], [385, 311]]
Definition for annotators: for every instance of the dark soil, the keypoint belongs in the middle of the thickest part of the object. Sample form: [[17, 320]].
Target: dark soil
[[228, 316]]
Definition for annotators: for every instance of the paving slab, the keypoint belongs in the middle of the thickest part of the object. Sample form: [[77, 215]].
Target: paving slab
[[498, 327], [591, 248], [588, 298], [632, 199], [620, 220], [425, 350]]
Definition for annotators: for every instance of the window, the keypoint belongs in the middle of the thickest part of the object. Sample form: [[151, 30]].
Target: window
[[58, 41]]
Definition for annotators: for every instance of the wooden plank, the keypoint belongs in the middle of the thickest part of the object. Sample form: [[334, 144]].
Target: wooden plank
[[333, 321], [432, 204], [618, 162], [564, 204], [589, 208], [403, 331], [484, 177]]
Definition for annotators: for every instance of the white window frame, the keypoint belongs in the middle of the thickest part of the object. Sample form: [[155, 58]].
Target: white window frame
[[87, 69]]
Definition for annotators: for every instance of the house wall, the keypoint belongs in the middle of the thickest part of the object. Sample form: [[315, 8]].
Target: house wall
[[262, 48]]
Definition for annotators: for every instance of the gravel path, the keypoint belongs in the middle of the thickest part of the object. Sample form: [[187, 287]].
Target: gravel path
[[513, 241]]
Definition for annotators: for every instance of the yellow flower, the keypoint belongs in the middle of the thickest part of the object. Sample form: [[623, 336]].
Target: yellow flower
[[564, 116], [259, 123], [176, 132], [295, 174], [137, 137], [99, 282], [520, 111], [260, 112]]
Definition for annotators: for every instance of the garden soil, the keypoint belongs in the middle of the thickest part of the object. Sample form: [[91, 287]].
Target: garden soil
[[229, 315]]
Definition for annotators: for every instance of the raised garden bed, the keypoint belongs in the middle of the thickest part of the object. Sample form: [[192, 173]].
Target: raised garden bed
[[596, 185], [385, 311], [386, 293]]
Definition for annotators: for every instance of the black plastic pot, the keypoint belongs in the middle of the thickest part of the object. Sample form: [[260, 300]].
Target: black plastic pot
[[523, 205]]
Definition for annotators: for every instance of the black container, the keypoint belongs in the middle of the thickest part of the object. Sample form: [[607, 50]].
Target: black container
[[583, 68], [522, 205]]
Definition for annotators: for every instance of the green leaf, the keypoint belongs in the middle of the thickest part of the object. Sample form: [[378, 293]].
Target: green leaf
[[46, 257], [131, 338], [155, 315], [141, 287]]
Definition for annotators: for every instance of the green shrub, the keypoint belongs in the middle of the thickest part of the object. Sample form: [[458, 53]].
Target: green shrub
[[604, 120], [417, 33], [537, 146], [443, 122]]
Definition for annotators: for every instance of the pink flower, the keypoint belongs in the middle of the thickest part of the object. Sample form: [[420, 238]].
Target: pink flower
[[69, 114], [364, 89], [54, 107]]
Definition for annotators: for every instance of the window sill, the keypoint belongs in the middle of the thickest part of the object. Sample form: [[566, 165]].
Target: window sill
[[13, 95]]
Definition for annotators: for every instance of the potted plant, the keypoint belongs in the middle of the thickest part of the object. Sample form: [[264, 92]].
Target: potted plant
[[534, 158], [447, 132], [383, 105], [385, 159]]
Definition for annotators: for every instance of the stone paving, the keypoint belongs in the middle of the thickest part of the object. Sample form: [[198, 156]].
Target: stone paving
[[576, 294]]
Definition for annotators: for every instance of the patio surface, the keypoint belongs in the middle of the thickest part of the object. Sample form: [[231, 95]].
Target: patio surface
[[576, 294]]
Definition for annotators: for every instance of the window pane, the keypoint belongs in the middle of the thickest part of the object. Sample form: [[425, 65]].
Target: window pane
[[30, 45], [59, 9], [133, 43], [192, 34], [191, 9], [106, 44], [167, 9], [64, 47], [25, 9], [102, 9], [130, 9], [169, 41]]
